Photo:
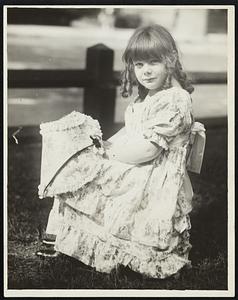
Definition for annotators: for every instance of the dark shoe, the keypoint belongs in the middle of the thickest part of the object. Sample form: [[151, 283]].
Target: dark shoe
[[49, 242], [47, 253], [47, 250], [49, 239]]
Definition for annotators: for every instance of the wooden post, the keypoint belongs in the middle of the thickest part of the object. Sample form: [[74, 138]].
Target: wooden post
[[100, 94]]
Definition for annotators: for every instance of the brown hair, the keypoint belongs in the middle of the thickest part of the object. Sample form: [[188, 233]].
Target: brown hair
[[152, 42]]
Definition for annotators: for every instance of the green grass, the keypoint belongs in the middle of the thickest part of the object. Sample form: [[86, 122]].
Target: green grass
[[27, 217]]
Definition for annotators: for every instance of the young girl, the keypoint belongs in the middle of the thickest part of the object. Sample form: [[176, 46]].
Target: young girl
[[130, 204]]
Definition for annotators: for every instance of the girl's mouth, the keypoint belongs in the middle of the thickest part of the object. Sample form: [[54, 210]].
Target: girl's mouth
[[148, 80]]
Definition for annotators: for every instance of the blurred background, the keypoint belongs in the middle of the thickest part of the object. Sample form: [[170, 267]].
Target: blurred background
[[57, 38]]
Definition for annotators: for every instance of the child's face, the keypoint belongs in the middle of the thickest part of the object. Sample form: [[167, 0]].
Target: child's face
[[151, 74]]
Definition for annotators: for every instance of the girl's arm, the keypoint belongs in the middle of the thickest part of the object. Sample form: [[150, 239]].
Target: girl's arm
[[134, 152], [119, 133]]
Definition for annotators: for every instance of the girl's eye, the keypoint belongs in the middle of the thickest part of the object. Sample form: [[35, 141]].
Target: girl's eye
[[138, 64], [154, 61]]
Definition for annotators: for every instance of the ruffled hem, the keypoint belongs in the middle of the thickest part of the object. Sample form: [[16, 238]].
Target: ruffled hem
[[92, 244], [105, 255]]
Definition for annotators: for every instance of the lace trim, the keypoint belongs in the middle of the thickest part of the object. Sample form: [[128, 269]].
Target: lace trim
[[70, 121], [63, 138]]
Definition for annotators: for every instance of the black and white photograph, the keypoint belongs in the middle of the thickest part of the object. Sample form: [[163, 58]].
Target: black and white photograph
[[119, 150]]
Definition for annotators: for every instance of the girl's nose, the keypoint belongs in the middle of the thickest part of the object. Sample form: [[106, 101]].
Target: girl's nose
[[147, 69]]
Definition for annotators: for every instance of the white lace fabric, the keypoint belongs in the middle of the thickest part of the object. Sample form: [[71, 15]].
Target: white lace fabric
[[60, 140]]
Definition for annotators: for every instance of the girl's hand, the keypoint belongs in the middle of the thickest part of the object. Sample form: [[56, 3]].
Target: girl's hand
[[106, 145], [107, 149]]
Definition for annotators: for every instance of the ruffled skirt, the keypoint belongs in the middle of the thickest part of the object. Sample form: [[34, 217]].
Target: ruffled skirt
[[116, 213]]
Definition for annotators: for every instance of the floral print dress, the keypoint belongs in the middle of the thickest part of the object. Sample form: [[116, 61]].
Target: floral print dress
[[136, 215]]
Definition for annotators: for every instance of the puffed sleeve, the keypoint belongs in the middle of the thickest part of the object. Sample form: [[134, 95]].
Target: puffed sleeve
[[170, 115]]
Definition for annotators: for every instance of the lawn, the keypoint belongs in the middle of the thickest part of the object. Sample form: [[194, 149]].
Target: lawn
[[27, 217]]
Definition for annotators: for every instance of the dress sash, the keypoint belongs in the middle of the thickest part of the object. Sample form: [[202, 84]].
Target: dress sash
[[197, 142]]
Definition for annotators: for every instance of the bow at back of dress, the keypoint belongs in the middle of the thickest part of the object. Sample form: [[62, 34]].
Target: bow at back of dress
[[197, 146]]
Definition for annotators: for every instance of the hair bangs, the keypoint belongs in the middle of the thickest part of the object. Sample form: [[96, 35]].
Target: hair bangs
[[144, 47]]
